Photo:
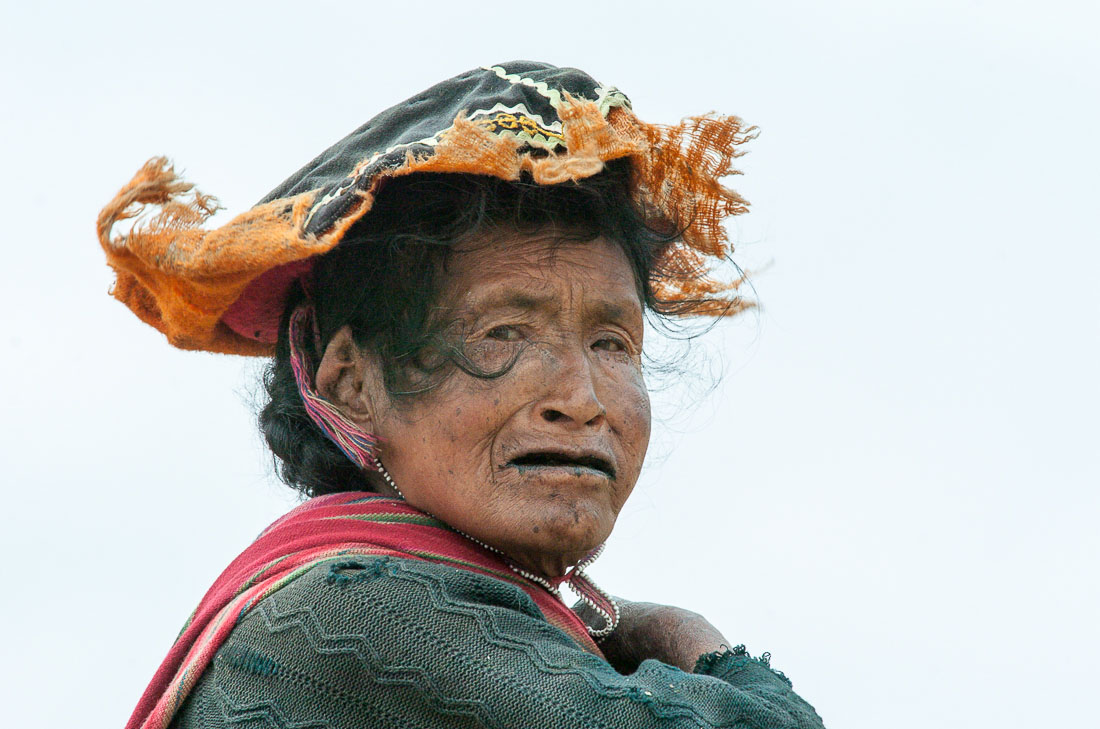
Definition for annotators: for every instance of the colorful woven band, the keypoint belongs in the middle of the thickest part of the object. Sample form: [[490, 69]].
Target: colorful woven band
[[360, 447]]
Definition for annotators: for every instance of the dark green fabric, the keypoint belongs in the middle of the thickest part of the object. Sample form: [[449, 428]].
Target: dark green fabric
[[383, 642]]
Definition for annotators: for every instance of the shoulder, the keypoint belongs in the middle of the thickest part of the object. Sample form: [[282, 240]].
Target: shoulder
[[385, 610], [378, 638], [385, 642]]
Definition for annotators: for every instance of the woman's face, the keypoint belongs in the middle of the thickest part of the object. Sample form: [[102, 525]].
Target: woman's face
[[539, 461]]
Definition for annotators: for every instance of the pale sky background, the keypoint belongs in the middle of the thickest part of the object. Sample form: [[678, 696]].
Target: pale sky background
[[894, 486]]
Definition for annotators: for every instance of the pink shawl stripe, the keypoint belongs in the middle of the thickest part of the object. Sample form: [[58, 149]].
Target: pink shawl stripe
[[326, 527]]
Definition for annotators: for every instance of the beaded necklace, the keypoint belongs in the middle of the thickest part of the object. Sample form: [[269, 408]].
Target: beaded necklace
[[575, 578]]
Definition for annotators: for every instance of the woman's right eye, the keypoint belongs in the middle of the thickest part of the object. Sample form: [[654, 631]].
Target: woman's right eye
[[504, 333]]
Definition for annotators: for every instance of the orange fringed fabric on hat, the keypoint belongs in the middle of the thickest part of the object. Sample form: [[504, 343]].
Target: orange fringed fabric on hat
[[223, 290], [181, 279]]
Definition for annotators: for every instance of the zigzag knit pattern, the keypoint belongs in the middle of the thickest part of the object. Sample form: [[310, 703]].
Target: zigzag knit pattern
[[387, 642]]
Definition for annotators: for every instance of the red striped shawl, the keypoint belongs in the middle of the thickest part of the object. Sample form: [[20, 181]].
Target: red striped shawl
[[322, 528]]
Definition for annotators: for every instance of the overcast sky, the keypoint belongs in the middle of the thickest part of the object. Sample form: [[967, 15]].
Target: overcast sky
[[893, 486]]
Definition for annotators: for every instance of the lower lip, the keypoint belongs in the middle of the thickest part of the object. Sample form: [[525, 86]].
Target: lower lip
[[574, 471]]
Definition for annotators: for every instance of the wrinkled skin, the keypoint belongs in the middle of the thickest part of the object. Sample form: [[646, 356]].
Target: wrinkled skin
[[666, 633], [569, 315]]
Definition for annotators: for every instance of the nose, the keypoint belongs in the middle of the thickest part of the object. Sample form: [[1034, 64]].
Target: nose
[[570, 395]]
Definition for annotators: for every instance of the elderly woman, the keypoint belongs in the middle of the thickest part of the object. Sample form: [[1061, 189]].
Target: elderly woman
[[454, 295]]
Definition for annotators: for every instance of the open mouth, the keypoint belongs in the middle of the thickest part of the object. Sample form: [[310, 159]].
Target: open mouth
[[551, 459]]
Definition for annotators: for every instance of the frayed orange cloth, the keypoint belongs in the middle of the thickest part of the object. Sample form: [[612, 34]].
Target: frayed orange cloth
[[223, 290]]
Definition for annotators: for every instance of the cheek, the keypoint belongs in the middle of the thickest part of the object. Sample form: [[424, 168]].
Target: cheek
[[628, 407], [451, 431], [440, 459]]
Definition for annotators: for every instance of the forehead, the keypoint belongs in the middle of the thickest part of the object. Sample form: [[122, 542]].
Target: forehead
[[541, 263]]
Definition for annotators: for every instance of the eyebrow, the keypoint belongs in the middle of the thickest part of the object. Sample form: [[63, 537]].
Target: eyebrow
[[612, 311], [515, 299], [602, 310]]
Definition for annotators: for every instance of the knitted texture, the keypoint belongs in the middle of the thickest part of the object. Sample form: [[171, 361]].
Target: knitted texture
[[327, 527], [388, 642]]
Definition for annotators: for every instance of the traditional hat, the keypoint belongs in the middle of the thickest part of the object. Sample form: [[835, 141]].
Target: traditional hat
[[224, 290]]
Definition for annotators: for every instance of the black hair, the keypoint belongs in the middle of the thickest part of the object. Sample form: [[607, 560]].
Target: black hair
[[383, 278]]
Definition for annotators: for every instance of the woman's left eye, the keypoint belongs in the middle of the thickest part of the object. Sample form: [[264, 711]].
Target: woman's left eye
[[610, 344]]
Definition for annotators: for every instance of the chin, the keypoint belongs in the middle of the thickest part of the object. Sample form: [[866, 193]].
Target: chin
[[560, 536]]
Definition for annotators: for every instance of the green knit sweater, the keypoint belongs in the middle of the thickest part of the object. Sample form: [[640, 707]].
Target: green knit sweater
[[385, 642]]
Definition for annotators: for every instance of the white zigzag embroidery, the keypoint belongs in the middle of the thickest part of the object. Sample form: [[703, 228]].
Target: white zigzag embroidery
[[553, 94], [608, 97], [351, 176]]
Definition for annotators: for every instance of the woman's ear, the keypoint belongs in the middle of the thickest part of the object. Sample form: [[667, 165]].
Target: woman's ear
[[342, 378]]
